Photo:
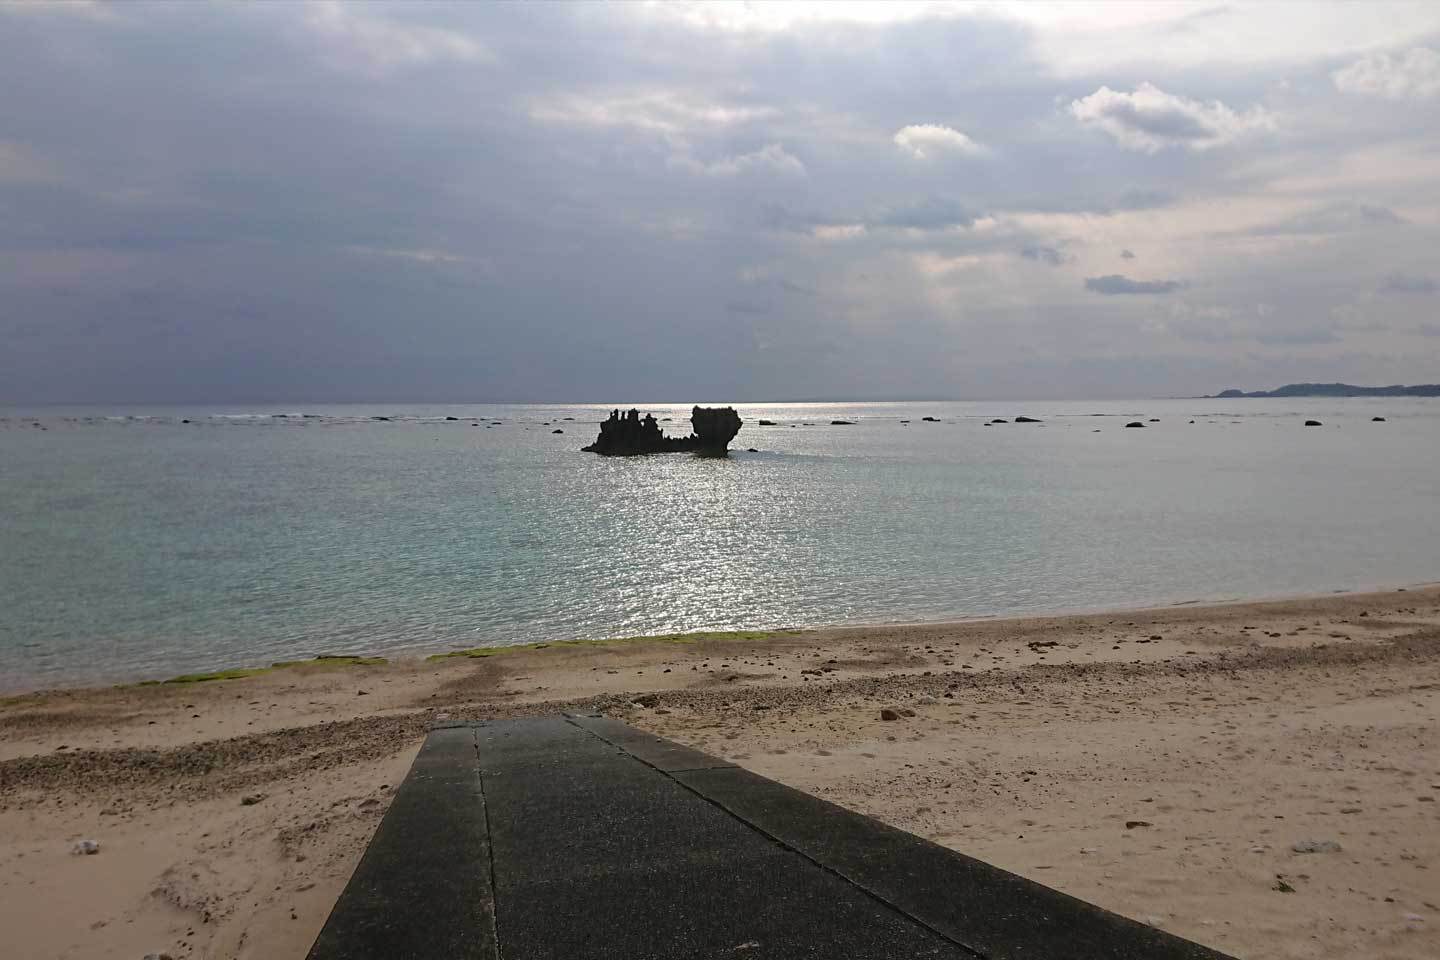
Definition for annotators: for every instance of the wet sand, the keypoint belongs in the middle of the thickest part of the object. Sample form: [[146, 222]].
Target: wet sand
[[1162, 763]]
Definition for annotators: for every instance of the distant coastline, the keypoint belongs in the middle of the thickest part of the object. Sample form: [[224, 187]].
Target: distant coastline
[[1335, 390]]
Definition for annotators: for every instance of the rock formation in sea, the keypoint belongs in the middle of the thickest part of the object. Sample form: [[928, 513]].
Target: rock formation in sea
[[630, 434]]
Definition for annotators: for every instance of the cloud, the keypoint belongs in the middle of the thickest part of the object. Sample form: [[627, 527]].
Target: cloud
[[355, 38], [1151, 120], [1043, 254], [933, 213], [771, 157], [1405, 283], [660, 111], [1127, 255], [927, 141], [1413, 75], [1116, 284], [1343, 216]]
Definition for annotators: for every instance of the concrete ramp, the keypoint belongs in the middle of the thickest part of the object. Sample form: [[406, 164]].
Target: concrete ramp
[[581, 838]]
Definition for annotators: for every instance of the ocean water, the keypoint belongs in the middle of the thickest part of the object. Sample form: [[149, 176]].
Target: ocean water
[[135, 545]]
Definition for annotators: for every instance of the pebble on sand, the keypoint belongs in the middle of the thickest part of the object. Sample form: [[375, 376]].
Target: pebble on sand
[[1315, 846]]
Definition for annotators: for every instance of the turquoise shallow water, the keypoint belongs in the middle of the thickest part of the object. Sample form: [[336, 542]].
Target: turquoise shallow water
[[145, 547]]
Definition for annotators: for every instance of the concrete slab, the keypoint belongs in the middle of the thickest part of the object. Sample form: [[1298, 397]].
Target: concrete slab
[[585, 838], [422, 889]]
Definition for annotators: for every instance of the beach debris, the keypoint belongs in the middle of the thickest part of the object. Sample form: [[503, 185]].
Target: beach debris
[[249, 800], [1281, 886], [1132, 824], [1315, 846], [85, 848]]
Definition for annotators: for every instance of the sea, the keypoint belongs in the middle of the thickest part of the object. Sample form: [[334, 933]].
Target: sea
[[145, 542]]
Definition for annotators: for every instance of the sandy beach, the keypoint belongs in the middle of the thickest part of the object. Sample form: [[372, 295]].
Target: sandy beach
[[1170, 764]]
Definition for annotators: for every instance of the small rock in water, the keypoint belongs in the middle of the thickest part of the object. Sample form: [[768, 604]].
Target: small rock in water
[[1136, 423], [1315, 846], [1313, 423], [85, 848], [1377, 419], [557, 431]]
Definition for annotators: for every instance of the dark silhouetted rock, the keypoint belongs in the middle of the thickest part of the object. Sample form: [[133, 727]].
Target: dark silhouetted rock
[[380, 418], [751, 450], [999, 420], [1026, 420], [1154, 419], [767, 423], [842, 423], [631, 434], [452, 418], [930, 419], [1313, 423], [557, 431], [1135, 423], [1377, 419]]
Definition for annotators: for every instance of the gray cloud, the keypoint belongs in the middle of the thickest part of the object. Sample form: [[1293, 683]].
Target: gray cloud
[[1149, 119], [454, 201], [1338, 217], [1043, 254], [1116, 284], [1405, 283]]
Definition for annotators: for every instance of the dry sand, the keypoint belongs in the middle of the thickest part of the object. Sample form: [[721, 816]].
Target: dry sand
[[1233, 732]]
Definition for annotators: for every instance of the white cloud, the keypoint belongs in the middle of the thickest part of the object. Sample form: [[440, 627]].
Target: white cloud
[[1149, 119], [357, 39], [925, 141], [1414, 74], [772, 157], [660, 112]]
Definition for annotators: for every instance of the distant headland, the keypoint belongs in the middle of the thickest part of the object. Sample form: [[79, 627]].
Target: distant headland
[[1336, 390]]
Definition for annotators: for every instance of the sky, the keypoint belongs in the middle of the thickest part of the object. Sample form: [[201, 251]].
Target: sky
[[209, 202]]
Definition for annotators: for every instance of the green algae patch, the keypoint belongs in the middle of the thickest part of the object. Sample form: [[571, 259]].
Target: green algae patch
[[240, 673], [742, 635]]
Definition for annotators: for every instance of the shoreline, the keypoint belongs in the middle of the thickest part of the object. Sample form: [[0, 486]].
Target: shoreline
[[419, 654], [230, 813]]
